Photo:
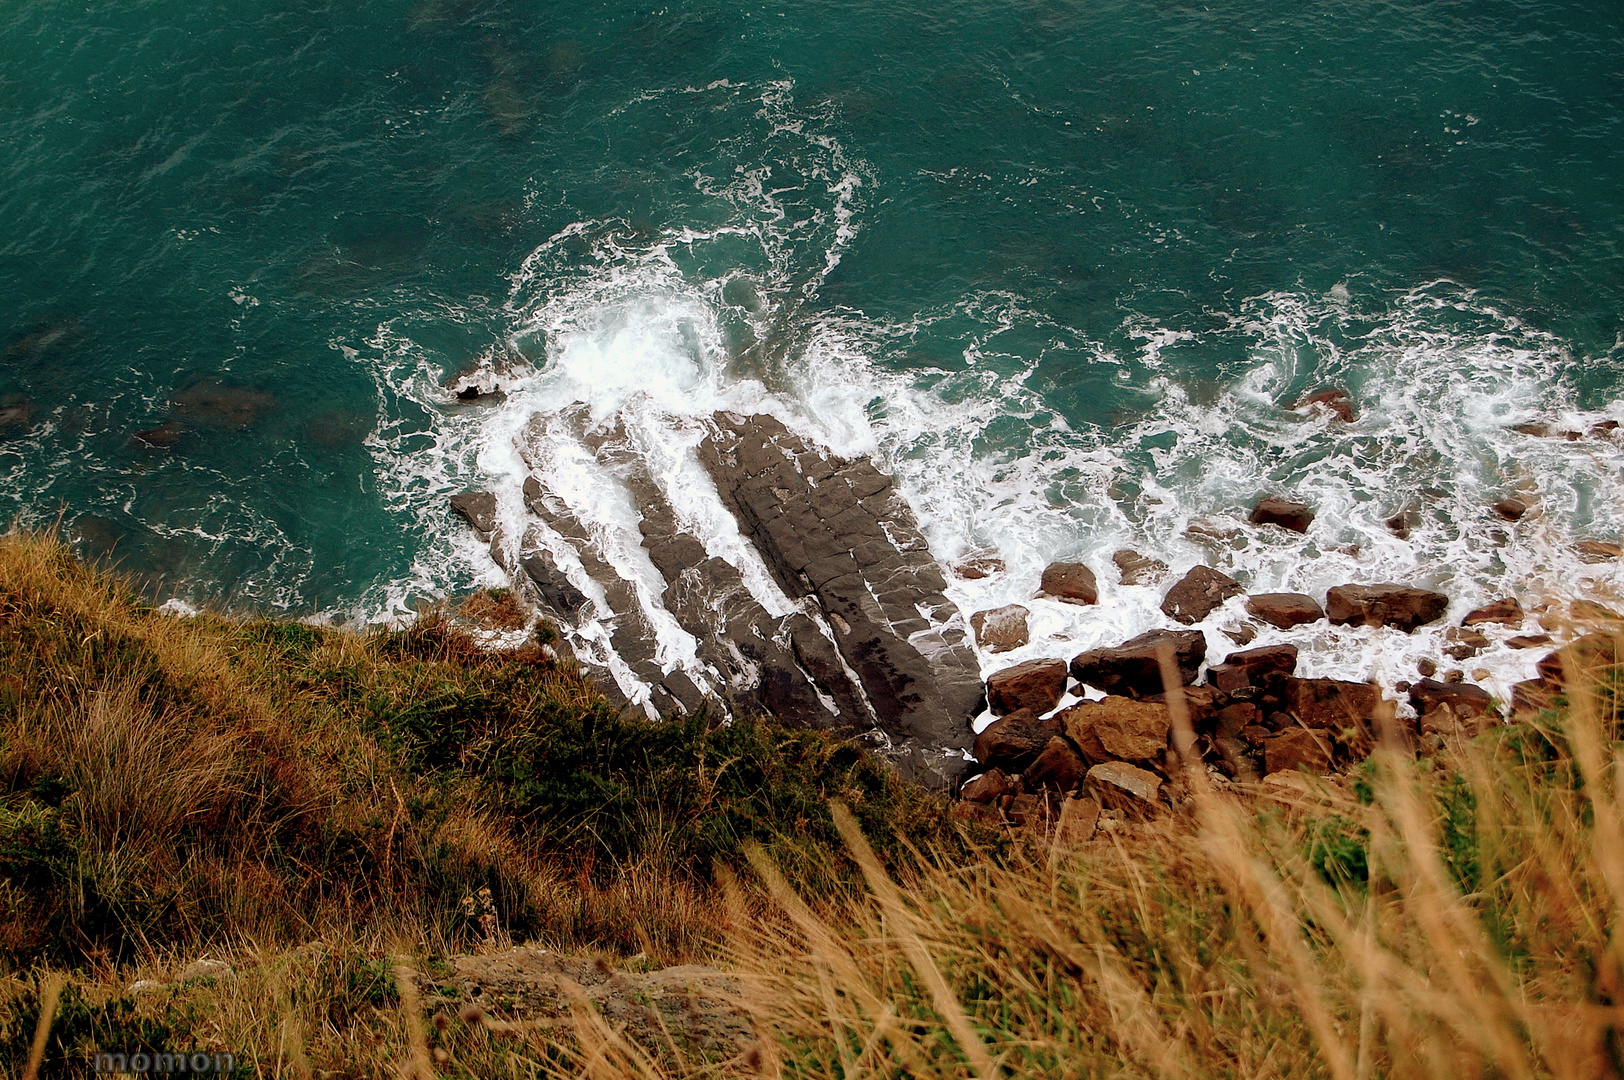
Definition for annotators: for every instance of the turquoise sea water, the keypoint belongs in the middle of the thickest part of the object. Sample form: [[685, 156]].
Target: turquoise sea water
[[1064, 266]]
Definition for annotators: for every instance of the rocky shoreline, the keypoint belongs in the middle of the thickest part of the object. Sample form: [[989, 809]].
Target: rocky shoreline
[[853, 633]]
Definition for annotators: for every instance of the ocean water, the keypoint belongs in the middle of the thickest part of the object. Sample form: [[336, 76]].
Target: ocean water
[[1063, 267]]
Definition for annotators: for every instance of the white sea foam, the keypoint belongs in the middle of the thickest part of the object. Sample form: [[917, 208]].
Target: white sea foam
[[641, 339]]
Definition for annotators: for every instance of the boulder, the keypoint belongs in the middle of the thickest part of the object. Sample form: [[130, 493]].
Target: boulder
[[1533, 696], [1333, 400], [1590, 611], [1398, 606], [1058, 766], [1200, 702], [1528, 641], [1232, 718], [1198, 594], [1511, 508], [1293, 516], [1035, 685], [1028, 809], [1507, 612], [206, 971], [1012, 742], [213, 403], [1296, 749], [1250, 668], [165, 436], [16, 415], [478, 508], [1330, 703], [1118, 728], [1133, 669], [1000, 629], [1592, 656], [1284, 609], [1137, 569], [1463, 700], [979, 566], [1078, 818], [1118, 785], [1464, 642], [1594, 551], [990, 786], [1069, 581]]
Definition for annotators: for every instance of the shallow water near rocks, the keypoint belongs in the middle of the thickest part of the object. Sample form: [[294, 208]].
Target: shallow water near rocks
[[1064, 269]]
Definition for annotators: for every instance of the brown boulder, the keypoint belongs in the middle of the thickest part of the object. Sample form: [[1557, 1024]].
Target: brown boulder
[[1284, 609], [1534, 696], [1012, 742], [1069, 581], [1334, 400], [1462, 700], [1035, 685], [1137, 569], [1590, 611], [990, 786], [979, 566], [1296, 749], [1201, 702], [1590, 657], [1593, 551], [1000, 629], [1398, 606], [1078, 818], [1511, 508], [1119, 785], [1028, 810], [1330, 703], [1132, 668], [1293, 516], [1058, 766], [1464, 642], [478, 508], [1529, 641], [1508, 612], [1119, 728], [1249, 668], [1198, 594]]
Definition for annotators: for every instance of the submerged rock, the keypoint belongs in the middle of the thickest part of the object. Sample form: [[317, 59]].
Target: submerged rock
[[1137, 569], [1334, 400]]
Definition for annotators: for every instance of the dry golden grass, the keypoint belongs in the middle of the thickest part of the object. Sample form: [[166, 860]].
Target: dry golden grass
[[1451, 917]]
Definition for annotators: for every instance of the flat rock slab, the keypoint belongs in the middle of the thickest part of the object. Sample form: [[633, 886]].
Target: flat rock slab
[[1398, 606], [836, 531], [1198, 594], [1118, 785]]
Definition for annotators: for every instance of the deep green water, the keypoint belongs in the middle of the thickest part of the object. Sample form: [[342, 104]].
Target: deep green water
[[1065, 240]]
